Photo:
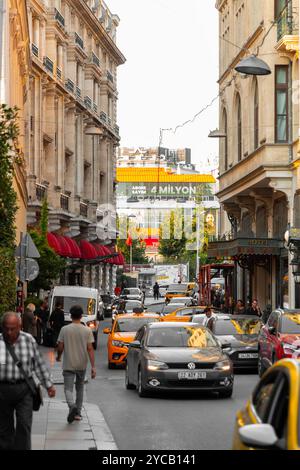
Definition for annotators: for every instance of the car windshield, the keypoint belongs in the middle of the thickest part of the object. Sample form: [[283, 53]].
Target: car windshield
[[179, 299], [155, 308], [291, 324], [171, 308], [239, 326], [131, 292], [132, 305], [88, 305], [181, 337], [126, 325], [177, 288], [191, 311]]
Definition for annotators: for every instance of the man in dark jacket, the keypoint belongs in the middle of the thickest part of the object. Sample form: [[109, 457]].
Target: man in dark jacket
[[57, 321], [156, 291], [254, 309], [42, 314]]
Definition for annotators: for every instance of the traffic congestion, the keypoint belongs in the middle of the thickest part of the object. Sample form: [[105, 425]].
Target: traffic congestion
[[176, 346]]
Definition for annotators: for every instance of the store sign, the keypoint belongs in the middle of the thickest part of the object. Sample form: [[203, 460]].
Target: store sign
[[159, 189]]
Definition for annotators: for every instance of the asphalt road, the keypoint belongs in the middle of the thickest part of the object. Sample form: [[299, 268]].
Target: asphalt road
[[164, 422]]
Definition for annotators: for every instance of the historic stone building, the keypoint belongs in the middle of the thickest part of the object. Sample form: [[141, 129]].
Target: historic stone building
[[260, 155], [14, 82], [73, 127]]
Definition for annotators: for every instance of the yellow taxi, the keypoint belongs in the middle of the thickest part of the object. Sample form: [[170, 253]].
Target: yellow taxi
[[271, 418], [176, 290], [183, 314], [123, 331]]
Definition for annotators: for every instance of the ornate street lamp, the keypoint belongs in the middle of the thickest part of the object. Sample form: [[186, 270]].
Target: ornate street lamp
[[252, 65]]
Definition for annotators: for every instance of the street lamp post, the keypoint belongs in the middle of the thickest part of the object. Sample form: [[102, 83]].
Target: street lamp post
[[132, 216]]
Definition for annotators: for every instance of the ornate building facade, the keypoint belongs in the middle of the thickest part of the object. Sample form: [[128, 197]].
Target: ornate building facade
[[260, 155], [14, 83], [73, 125]]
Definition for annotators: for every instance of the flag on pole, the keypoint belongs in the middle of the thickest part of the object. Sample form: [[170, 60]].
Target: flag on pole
[[129, 240]]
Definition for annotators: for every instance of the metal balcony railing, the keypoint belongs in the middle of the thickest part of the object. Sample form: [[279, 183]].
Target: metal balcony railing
[[95, 59], [64, 202], [103, 116], [117, 130], [286, 24], [59, 17], [78, 92], [95, 108], [35, 49], [58, 73], [83, 209], [79, 41], [88, 102], [109, 121], [41, 192], [110, 76], [48, 63], [70, 85]]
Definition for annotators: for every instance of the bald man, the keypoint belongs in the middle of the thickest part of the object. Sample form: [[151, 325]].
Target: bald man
[[15, 394]]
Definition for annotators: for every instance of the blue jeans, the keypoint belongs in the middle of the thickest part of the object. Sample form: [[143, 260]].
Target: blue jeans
[[69, 377]]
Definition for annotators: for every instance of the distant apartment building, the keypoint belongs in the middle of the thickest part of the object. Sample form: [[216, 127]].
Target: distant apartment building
[[72, 124], [153, 156]]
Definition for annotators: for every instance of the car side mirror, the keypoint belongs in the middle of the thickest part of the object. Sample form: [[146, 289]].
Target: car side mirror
[[226, 345], [107, 331], [258, 436], [135, 345]]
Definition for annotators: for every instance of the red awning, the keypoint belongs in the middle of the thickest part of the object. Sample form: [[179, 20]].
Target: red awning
[[74, 248], [100, 249], [88, 251], [54, 243], [65, 249]]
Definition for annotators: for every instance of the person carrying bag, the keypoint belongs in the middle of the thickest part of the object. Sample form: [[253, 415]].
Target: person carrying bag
[[20, 361]]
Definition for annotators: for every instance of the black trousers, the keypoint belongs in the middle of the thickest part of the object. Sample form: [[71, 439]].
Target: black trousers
[[15, 417]]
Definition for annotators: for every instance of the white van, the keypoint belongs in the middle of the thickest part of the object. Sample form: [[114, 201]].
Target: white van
[[87, 298]]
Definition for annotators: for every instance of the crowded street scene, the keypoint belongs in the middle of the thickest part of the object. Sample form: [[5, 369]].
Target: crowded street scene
[[150, 229]]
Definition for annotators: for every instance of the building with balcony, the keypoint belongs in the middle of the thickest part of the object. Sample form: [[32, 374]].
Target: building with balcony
[[73, 86], [14, 84], [260, 155]]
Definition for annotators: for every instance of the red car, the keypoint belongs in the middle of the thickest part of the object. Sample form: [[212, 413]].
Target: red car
[[279, 338]]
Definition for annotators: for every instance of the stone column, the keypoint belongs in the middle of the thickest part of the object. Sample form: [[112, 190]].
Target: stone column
[[86, 276], [93, 276], [99, 287], [36, 31], [114, 278]]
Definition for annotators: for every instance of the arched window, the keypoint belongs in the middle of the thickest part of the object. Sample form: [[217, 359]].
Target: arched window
[[256, 115], [225, 128], [239, 128]]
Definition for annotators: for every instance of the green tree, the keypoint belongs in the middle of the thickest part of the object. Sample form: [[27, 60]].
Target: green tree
[[173, 247], [51, 265], [8, 207], [138, 251]]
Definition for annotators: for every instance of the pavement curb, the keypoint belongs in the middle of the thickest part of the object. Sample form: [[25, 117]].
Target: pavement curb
[[102, 435]]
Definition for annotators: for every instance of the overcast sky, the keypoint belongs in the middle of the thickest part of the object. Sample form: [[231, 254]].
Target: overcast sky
[[171, 48]]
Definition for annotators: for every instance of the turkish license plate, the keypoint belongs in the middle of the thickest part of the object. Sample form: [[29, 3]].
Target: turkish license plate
[[248, 356], [191, 375]]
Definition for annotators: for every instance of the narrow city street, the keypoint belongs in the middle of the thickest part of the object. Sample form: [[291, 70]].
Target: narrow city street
[[164, 422]]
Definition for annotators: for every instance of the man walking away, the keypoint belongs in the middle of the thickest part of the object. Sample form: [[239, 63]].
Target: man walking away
[[76, 342], [144, 290], [57, 321], [156, 291], [43, 315], [16, 400], [30, 321]]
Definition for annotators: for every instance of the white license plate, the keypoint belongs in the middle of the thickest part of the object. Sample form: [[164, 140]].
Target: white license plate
[[191, 375], [248, 356]]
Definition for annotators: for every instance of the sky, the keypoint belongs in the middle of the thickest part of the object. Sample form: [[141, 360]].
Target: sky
[[170, 74]]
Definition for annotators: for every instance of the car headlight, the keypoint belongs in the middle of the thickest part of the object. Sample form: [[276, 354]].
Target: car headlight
[[91, 324], [223, 365], [118, 344], [156, 365]]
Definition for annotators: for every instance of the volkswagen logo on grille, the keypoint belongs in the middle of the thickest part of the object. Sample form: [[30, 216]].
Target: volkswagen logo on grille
[[191, 366]]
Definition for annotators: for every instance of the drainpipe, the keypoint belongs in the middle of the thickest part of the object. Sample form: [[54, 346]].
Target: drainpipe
[[290, 123]]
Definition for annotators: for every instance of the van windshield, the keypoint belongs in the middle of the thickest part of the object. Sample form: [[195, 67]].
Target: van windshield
[[87, 304]]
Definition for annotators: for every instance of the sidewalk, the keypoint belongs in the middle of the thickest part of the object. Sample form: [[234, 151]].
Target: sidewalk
[[51, 431]]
